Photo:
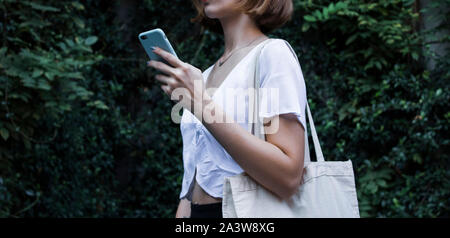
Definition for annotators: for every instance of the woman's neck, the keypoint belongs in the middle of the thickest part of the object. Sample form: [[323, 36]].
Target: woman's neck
[[239, 31]]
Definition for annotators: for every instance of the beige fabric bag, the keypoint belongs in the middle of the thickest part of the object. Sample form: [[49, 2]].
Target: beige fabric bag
[[328, 187]]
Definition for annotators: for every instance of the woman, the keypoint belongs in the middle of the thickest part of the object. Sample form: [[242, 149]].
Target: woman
[[215, 150]]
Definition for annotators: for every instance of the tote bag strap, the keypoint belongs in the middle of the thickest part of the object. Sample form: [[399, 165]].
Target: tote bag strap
[[257, 127], [254, 125]]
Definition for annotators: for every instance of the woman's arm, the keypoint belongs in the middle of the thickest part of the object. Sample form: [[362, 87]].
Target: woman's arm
[[276, 163], [184, 209]]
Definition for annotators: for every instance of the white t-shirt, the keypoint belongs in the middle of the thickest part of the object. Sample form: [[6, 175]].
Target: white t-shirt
[[203, 156]]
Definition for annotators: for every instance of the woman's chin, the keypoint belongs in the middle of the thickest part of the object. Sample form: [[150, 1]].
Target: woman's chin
[[209, 15], [210, 12]]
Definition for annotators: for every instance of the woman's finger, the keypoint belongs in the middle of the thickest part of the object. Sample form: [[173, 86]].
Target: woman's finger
[[164, 79], [162, 67], [172, 59], [166, 89]]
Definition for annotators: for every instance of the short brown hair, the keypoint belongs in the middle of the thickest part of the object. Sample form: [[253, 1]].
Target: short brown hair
[[267, 14]]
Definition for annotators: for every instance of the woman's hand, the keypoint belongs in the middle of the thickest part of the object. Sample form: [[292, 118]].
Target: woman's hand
[[184, 209], [181, 79]]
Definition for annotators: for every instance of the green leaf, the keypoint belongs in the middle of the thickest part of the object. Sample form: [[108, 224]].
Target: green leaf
[[49, 75], [341, 5], [305, 27], [43, 84], [417, 158], [415, 56], [65, 107], [98, 104], [50, 104], [78, 22], [42, 7], [310, 18], [331, 8], [4, 133], [29, 82], [23, 97], [382, 183], [90, 40], [372, 6], [34, 23], [76, 75], [37, 73], [372, 187], [78, 5], [62, 46], [378, 65], [12, 72], [351, 39], [325, 13], [70, 43], [318, 14]]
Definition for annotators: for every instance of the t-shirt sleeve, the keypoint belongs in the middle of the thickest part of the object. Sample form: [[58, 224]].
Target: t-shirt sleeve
[[281, 81]]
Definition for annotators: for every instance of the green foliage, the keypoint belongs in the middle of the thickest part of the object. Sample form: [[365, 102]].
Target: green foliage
[[86, 132], [42, 71], [377, 104], [44, 59]]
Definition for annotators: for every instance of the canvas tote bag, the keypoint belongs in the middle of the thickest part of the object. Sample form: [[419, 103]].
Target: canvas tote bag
[[327, 190]]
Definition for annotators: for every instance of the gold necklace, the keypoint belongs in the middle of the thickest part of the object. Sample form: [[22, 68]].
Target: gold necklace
[[232, 52]]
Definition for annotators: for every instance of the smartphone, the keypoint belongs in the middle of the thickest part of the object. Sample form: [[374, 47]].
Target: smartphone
[[156, 37]]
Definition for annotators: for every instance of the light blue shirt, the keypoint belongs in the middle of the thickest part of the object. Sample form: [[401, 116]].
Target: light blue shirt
[[203, 156]]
